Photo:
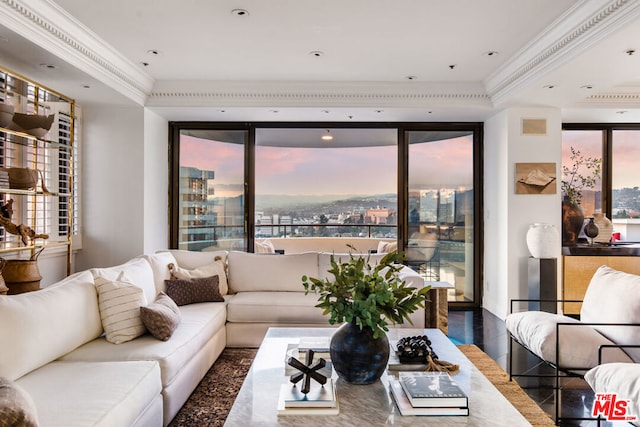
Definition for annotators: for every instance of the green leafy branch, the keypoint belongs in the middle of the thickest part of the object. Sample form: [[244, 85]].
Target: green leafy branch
[[584, 172], [367, 295]]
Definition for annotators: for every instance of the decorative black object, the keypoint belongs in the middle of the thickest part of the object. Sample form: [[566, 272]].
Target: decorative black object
[[572, 222], [591, 230], [356, 356], [415, 349], [307, 371]]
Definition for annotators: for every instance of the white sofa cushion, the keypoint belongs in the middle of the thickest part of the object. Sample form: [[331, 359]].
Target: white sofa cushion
[[215, 268], [192, 265], [120, 301], [275, 307], [100, 394], [620, 378], [536, 330], [614, 297], [137, 270], [200, 322], [159, 263], [192, 259], [260, 272], [38, 327]]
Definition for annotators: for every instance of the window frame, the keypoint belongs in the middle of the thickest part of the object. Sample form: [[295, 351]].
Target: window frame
[[607, 130]]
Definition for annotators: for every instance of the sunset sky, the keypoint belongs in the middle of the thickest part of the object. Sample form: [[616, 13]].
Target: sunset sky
[[316, 171], [372, 170]]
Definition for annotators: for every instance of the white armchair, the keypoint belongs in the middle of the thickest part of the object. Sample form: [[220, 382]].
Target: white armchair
[[608, 330]]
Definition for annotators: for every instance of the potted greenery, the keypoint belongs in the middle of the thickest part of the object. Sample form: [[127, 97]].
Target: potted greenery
[[365, 298], [583, 173]]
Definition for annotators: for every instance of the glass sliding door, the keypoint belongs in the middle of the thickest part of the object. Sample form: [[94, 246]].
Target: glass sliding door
[[211, 198], [440, 238]]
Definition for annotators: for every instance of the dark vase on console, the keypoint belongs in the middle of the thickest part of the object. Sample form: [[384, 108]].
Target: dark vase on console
[[357, 357], [572, 222]]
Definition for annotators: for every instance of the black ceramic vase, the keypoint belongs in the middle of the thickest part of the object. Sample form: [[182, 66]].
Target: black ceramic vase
[[356, 356], [572, 222]]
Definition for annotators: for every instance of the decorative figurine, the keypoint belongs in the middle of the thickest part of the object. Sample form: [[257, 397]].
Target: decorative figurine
[[21, 230], [307, 371]]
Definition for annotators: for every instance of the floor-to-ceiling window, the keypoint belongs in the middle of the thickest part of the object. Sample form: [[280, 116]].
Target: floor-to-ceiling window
[[209, 189], [235, 184], [440, 239]]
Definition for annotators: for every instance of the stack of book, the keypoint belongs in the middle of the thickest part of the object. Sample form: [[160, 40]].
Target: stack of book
[[428, 393], [321, 399], [4, 179]]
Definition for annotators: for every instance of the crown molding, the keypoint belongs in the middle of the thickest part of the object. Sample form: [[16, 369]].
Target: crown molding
[[315, 94], [611, 100], [578, 29], [49, 26]]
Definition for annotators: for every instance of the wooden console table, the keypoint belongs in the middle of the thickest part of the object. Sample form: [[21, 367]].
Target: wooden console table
[[437, 307]]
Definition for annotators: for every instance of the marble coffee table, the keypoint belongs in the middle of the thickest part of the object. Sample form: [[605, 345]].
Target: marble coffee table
[[362, 405]]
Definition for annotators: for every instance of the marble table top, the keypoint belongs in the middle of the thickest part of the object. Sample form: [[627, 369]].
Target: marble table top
[[363, 405]]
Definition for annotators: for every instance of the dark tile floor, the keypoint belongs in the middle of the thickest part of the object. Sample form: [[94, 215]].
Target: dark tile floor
[[488, 332]]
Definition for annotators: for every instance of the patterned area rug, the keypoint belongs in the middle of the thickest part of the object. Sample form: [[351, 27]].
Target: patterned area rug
[[211, 401]]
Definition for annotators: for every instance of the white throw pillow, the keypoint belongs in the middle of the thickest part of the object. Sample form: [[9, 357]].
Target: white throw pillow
[[614, 297], [120, 301], [264, 247], [578, 344], [215, 268]]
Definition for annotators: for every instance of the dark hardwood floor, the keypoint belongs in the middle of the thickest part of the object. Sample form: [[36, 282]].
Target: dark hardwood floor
[[488, 332]]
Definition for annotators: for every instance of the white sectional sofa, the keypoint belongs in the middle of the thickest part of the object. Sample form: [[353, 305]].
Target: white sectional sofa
[[55, 350]]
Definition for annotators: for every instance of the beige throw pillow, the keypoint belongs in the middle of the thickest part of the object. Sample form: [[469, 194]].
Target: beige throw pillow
[[215, 268], [161, 317], [119, 302]]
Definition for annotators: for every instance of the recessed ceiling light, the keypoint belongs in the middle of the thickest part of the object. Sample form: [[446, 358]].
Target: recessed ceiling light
[[222, 111], [452, 66], [153, 52], [316, 53], [86, 86], [379, 111], [327, 136], [274, 111], [492, 53], [49, 66], [548, 86], [411, 77], [326, 111], [586, 87], [240, 12], [621, 112], [429, 112], [144, 64], [630, 51]]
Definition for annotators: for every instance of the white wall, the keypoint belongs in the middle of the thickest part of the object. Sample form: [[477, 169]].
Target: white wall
[[113, 185], [156, 178], [508, 215]]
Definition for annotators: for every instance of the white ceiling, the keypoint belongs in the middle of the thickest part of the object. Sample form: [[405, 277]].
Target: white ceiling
[[216, 65]]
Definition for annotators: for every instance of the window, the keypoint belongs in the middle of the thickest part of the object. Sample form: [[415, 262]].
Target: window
[[307, 186], [236, 184], [617, 194], [440, 240], [52, 207], [210, 211]]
